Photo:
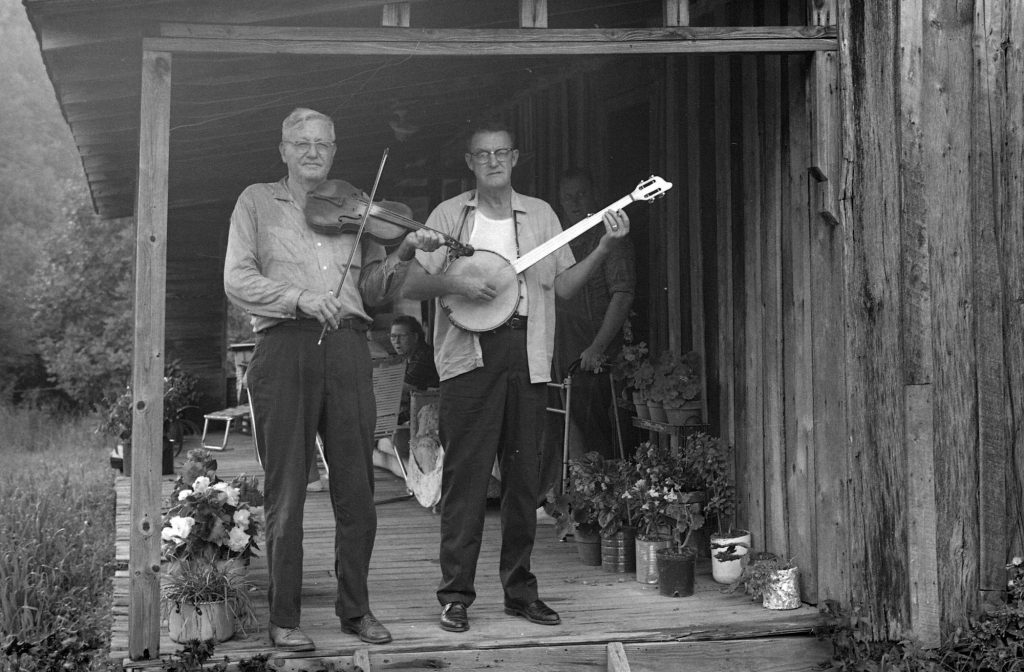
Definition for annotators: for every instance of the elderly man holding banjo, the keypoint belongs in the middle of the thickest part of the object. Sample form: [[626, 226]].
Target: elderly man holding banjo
[[494, 340]]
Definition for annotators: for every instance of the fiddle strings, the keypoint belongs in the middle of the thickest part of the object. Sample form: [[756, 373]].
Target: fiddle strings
[[359, 234], [412, 223]]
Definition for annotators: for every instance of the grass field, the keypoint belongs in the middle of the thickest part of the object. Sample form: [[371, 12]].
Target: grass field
[[56, 542]]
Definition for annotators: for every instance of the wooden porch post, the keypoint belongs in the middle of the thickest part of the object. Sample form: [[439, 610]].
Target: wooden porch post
[[533, 13], [148, 367]]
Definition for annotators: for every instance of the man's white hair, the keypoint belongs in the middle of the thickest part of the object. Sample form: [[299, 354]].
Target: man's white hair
[[303, 114]]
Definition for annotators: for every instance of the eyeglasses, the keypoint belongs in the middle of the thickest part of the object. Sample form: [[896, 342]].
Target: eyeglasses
[[305, 146], [482, 156]]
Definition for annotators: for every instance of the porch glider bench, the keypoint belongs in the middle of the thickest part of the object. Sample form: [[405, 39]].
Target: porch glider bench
[[227, 416]]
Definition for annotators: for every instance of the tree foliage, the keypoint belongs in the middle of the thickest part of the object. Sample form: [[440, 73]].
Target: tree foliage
[[81, 302]]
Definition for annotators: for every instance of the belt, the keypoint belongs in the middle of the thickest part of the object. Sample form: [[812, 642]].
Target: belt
[[352, 323], [515, 322]]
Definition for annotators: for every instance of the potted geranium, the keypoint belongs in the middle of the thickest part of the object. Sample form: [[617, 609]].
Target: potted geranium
[[667, 498], [633, 367], [213, 520], [202, 601], [709, 458], [682, 388], [593, 505]]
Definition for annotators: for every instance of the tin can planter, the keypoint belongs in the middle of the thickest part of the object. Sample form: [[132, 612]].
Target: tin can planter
[[588, 547], [784, 591], [738, 543], [202, 621], [675, 572], [647, 560], [618, 552]]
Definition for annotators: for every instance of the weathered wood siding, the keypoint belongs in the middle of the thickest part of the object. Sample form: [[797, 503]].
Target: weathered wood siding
[[932, 234]]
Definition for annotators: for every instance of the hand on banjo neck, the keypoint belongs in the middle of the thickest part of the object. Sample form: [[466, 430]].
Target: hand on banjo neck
[[490, 280]]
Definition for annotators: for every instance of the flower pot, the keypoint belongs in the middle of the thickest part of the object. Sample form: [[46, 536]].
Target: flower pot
[[588, 547], [206, 620], [639, 399], [618, 552], [657, 411], [687, 414], [675, 572], [784, 592], [642, 412], [647, 560], [728, 571]]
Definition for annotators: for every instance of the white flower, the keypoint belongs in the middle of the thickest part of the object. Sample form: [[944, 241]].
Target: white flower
[[177, 529], [671, 496], [653, 492], [201, 484], [1018, 561], [237, 540], [230, 492], [183, 495], [241, 518]]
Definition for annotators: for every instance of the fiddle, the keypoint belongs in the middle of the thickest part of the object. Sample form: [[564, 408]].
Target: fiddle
[[337, 207]]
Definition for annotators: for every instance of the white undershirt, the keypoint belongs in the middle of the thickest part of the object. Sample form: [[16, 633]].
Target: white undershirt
[[499, 235]]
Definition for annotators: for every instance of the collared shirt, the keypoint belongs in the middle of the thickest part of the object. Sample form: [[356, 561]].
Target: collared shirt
[[458, 351], [273, 256]]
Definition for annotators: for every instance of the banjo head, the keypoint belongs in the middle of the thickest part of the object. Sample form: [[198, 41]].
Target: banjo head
[[480, 316]]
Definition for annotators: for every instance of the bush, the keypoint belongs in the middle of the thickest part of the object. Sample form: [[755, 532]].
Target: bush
[[56, 543]]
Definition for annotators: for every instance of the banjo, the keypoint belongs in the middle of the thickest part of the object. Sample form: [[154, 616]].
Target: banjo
[[477, 316]]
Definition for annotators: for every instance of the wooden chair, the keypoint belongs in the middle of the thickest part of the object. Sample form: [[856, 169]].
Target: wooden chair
[[388, 378]]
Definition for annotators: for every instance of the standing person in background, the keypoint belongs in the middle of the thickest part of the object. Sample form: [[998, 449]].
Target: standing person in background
[[287, 276], [410, 343], [493, 383], [589, 327]]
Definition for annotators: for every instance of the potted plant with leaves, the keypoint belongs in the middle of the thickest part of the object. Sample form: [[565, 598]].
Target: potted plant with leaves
[[202, 601], [633, 367], [709, 458], [770, 579], [682, 389], [614, 514], [575, 511], [179, 394], [659, 480], [677, 562]]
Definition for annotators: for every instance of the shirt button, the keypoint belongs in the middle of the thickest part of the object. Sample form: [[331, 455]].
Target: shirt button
[[325, 268], [331, 292], [319, 244]]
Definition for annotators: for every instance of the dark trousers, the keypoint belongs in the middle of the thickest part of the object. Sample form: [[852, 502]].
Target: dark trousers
[[491, 411], [297, 389]]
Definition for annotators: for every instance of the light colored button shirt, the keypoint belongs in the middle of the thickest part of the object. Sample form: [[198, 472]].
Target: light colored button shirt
[[456, 350], [273, 256]]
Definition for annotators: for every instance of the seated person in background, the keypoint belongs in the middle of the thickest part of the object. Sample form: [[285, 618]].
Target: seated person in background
[[409, 341]]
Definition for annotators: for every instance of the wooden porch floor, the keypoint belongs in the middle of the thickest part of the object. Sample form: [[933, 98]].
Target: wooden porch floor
[[598, 608]]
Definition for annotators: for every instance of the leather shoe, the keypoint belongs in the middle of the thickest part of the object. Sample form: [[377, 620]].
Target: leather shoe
[[535, 612], [454, 617], [369, 629], [290, 639]]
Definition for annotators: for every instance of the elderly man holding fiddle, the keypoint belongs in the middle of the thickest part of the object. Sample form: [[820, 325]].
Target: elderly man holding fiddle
[[311, 369]]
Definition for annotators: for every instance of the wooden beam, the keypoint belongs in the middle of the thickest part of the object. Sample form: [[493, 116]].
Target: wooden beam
[[395, 14], [675, 222], [676, 12], [617, 660], [533, 13], [192, 38], [148, 367]]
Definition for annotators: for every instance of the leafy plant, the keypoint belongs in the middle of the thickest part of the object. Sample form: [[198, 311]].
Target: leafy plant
[[660, 492], [179, 392], [760, 574], [199, 582], [709, 459], [595, 498], [680, 379]]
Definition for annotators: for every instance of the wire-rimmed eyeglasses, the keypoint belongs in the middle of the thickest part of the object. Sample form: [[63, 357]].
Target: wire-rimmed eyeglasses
[[304, 145], [501, 154]]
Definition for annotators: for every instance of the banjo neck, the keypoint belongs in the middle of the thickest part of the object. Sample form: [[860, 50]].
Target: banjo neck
[[567, 236]]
